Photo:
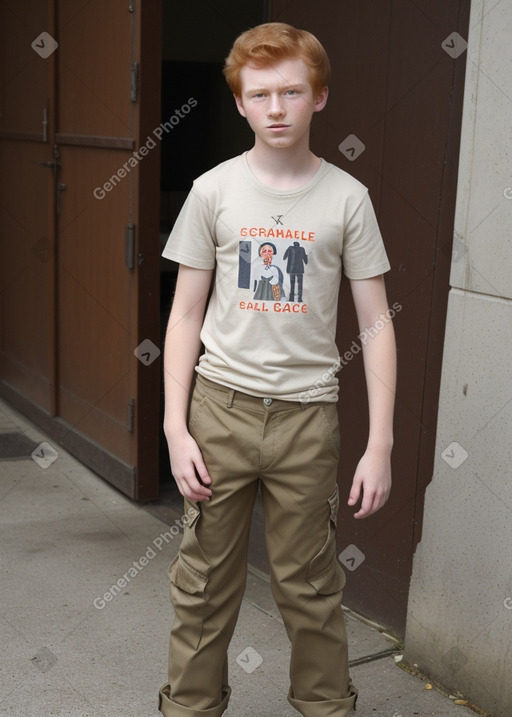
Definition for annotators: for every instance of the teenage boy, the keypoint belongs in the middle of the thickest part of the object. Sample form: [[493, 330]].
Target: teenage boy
[[263, 408]]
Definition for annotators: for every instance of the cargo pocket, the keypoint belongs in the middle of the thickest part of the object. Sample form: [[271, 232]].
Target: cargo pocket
[[188, 574], [189, 542], [188, 598], [324, 572]]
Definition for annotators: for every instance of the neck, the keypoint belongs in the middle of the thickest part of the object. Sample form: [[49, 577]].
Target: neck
[[283, 167]]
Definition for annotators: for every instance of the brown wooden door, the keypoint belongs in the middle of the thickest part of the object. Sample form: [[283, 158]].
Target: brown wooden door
[[400, 93], [27, 264], [98, 292]]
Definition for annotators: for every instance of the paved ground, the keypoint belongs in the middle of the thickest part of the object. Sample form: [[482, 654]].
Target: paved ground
[[66, 537]]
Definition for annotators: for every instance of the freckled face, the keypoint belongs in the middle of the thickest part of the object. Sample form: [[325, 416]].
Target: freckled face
[[278, 102]]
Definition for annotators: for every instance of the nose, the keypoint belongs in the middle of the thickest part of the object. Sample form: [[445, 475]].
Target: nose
[[275, 108]]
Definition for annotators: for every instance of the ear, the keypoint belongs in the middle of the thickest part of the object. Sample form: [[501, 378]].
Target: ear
[[321, 99], [240, 105]]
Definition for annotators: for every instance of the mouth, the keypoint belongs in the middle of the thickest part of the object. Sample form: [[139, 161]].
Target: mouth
[[278, 126]]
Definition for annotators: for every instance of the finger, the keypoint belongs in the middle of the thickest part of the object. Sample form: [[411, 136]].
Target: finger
[[197, 486], [202, 471], [373, 505], [355, 492], [193, 490], [191, 484], [367, 506]]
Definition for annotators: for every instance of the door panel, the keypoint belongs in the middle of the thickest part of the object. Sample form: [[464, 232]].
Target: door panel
[[27, 269], [95, 290], [27, 298], [79, 304], [25, 77], [99, 295], [96, 50]]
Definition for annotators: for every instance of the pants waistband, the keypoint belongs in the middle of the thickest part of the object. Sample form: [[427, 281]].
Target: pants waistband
[[239, 399]]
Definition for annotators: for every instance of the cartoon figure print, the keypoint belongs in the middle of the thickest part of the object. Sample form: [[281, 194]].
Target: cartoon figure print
[[297, 258], [262, 270], [268, 282]]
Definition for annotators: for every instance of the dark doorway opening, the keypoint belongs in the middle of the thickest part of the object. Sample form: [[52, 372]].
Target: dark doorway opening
[[200, 128]]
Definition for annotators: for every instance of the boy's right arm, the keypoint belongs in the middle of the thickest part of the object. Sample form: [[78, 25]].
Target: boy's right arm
[[182, 348]]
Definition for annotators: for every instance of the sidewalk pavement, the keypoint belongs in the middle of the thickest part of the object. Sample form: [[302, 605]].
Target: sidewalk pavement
[[75, 644]]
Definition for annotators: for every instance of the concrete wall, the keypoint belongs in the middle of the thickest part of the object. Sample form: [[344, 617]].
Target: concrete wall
[[459, 627]]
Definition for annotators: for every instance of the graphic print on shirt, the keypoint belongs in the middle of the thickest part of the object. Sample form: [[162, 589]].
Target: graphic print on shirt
[[272, 264]]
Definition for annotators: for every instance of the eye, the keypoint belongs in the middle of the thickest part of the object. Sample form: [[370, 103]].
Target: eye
[[291, 92]]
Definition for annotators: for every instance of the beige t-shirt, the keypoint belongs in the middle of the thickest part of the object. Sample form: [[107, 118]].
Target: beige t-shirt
[[270, 324]]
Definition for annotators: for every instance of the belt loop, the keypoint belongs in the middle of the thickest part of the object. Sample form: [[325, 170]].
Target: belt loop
[[231, 396]]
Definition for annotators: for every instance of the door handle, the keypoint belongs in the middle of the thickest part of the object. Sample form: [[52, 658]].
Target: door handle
[[52, 164]]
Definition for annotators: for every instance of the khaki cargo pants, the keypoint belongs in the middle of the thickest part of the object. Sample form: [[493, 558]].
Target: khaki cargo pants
[[293, 450]]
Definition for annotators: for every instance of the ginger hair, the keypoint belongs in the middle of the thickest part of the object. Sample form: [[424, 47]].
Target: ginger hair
[[272, 42]]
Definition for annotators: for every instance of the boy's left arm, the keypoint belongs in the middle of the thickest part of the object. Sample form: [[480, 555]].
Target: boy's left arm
[[372, 478]]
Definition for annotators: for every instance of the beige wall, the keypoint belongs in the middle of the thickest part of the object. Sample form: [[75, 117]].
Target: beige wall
[[459, 627]]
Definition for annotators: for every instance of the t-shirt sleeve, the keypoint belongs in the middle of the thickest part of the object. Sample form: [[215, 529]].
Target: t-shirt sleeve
[[363, 255], [192, 239]]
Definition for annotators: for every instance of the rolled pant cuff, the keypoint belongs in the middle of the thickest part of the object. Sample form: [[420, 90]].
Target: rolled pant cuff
[[325, 708], [172, 709]]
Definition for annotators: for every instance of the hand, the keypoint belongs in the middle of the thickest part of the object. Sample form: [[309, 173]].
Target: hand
[[188, 467], [373, 479]]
